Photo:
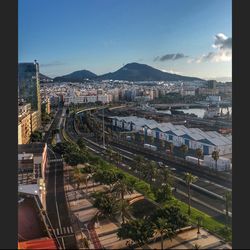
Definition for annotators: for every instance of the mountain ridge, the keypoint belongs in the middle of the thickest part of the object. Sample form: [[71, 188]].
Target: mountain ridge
[[129, 72]]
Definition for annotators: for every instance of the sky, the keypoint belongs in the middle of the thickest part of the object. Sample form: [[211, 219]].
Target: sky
[[187, 37]]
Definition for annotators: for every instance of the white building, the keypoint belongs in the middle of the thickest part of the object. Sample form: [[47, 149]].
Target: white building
[[177, 134]]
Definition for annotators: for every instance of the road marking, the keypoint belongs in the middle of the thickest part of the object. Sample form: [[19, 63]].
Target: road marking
[[63, 231]]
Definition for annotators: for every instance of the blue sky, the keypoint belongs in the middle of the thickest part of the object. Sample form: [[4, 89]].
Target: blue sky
[[102, 35]]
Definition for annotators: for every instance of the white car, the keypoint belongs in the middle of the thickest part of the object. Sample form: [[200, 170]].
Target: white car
[[173, 169]]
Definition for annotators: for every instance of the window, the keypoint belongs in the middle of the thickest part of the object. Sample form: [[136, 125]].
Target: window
[[170, 137]]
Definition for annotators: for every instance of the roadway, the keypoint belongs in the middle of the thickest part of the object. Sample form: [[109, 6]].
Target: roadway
[[201, 200], [57, 209]]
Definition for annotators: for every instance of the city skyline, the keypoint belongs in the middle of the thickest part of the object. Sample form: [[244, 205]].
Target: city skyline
[[191, 38]]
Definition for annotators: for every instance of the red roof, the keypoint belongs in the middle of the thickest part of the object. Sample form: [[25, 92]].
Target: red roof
[[42, 243]]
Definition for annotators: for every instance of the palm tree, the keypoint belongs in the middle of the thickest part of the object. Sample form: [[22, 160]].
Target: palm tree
[[171, 147], [152, 139], [84, 179], [199, 154], [215, 155], [124, 208], [228, 202], [184, 149], [162, 142], [151, 170], [77, 176], [109, 153], [167, 178], [121, 188], [189, 179], [139, 163], [163, 228], [117, 157], [199, 220]]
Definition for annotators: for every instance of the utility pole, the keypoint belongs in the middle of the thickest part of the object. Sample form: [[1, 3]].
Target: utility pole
[[103, 134]]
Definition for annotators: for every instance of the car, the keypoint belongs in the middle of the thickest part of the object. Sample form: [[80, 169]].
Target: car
[[166, 166], [173, 169]]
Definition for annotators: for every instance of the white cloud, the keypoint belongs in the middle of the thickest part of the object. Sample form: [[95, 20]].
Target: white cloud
[[223, 46], [171, 71]]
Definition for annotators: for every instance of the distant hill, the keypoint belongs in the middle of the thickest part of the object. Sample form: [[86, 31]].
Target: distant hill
[[129, 72], [44, 78], [76, 76], [143, 72]]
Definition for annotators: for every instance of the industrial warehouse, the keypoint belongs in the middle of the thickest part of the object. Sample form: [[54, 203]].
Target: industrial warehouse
[[194, 138]]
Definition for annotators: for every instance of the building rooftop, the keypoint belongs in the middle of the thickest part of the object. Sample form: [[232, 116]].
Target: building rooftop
[[42, 243], [197, 134], [30, 223], [37, 148]]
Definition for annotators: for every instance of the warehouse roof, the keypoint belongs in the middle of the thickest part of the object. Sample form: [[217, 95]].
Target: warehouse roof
[[210, 137]]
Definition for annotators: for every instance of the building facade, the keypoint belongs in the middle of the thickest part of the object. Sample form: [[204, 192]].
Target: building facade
[[28, 122], [29, 85]]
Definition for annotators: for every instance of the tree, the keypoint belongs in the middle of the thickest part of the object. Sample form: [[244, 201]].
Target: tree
[[189, 179], [36, 136], [199, 154], [164, 193], [215, 155], [117, 157], [167, 178], [109, 153], [77, 176], [171, 147], [139, 231], [107, 204], [175, 218], [184, 149], [124, 208], [139, 163], [228, 203], [163, 228], [81, 144], [150, 170], [121, 188]]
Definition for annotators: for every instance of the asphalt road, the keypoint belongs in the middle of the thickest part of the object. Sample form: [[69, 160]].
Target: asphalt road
[[56, 202]]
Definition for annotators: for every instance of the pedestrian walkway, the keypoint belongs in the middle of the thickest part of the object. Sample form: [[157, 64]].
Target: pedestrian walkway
[[188, 239], [63, 231]]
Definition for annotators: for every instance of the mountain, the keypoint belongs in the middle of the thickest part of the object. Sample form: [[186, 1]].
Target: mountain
[[143, 72], [44, 78], [76, 76]]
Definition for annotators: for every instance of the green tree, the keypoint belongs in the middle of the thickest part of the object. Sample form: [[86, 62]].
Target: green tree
[[140, 231], [184, 149], [216, 156], [36, 136], [189, 179], [171, 147], [121, 188], [77, 176], [199, 154], [163, 228], [106, 204], [175, 218], [124, 208], [81, 144], [109, 153]]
